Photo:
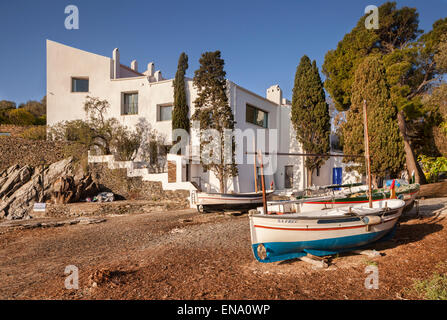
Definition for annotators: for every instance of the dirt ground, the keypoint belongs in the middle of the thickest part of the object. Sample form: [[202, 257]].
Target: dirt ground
[[185, 255]]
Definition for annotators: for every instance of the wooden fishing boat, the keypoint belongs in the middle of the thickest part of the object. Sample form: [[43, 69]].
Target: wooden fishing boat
[[291, 232], [321, 232], [407, 193], [206, 202]]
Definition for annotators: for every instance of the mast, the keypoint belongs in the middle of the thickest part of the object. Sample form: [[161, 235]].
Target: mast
[[264, 198], [254, 165], [367, 156]]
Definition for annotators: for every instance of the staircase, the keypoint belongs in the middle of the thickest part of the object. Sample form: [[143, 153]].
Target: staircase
[[133, 171]]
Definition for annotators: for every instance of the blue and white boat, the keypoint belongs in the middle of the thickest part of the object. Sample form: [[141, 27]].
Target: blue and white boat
[[277, 237]]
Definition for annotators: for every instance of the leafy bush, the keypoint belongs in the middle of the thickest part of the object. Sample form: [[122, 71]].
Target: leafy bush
[[75, 131], [107, 135], [20, 117], [40, 121], [153, 147], [36, 108], [32, 112], [125, 143], [35, 133], [433, 166]]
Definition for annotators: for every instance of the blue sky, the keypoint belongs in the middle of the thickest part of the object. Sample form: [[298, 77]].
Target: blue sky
[[261, 41]]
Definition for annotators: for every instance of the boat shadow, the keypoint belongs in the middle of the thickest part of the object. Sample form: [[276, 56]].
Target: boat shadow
[[413, 228]]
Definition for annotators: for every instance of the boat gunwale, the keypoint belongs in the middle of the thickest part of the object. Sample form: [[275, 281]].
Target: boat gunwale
[[295, 216], [204, 195], [347, 200]]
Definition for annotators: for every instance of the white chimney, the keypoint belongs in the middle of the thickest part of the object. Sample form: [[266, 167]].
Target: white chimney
[[158, 76], [134, 65], [274, 94], [116, 63], [150, 69]]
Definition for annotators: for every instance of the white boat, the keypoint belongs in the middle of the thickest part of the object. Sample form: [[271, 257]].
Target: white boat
[[205, 201], [408, 193], [323, 232]]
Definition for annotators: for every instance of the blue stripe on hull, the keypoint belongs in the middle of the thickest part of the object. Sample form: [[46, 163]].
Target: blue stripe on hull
[[279, 251]]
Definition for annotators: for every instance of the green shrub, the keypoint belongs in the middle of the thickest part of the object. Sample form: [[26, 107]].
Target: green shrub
[[433, 166], [40, 121], [20, 117], [434, 288], [35, 133]]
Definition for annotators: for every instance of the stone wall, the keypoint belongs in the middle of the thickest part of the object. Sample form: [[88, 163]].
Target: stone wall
[[110, 208], [123, 187], [15, 150], [13, 130], [433, 190]]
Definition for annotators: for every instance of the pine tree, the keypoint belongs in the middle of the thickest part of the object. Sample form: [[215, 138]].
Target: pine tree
[[385, 141], [180, 118], [411, 69], [310, 114], [213, 111]]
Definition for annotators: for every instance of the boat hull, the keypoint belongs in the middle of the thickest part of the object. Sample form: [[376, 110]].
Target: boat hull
[[291, 250], [206, 202], [284, 237]]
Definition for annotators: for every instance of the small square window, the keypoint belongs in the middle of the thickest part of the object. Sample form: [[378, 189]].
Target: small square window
[[130, 106], [256, 116], [164, 113], [79, 85]]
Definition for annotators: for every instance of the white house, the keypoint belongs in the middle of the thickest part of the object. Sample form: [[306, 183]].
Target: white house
[[73, 74]]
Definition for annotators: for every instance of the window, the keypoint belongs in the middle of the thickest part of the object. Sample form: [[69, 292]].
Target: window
[[256, 116], [318, 171], [288, 177], [79, 85], [130, 103], [164, 112]]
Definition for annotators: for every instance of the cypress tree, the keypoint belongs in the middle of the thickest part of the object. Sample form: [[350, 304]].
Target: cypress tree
[[180, 118], [213, 111], [386, 145], [310, 114]]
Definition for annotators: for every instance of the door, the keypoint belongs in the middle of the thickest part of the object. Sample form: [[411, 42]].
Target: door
[[288, 177], [337, 176], [188, 172]]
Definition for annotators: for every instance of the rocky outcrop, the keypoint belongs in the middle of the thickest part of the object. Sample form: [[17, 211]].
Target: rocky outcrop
[[67, 189], [21, 187]]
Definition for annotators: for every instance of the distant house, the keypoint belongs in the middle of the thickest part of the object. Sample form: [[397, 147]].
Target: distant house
[[72, 74]]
